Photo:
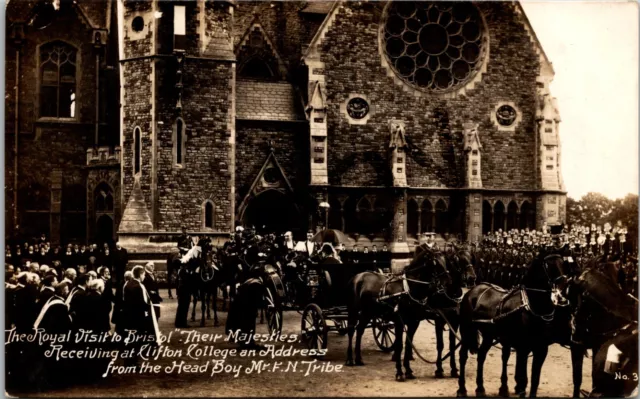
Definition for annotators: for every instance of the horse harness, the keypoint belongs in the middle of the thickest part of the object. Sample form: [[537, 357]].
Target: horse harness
[[384, 297], [525, 304]]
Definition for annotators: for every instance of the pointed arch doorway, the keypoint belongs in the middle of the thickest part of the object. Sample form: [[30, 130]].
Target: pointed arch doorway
[[272, 211]]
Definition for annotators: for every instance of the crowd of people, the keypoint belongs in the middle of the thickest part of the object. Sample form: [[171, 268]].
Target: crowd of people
[[501, 257], [84, 289], [90, 288]]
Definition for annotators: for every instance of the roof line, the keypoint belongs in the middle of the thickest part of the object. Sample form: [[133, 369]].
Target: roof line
[[532, 32], [322, 30], [86, 17], [257, 23]]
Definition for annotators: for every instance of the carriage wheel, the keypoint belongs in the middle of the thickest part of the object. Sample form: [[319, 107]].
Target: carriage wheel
[[274, 313], [384, 333], [314, 327]]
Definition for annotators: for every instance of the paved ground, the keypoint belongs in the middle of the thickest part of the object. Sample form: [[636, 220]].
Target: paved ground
[[376, 378]]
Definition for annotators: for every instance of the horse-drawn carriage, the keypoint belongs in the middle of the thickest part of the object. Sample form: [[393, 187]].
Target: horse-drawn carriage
[[328, 312]]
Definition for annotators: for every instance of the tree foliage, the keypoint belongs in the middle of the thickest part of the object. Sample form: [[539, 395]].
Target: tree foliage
[[595, 208]]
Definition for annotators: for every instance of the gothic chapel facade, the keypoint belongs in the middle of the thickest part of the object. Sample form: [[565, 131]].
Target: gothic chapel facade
[[381, 119]]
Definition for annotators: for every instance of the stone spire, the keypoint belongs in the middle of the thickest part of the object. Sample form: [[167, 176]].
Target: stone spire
[[135, 218]]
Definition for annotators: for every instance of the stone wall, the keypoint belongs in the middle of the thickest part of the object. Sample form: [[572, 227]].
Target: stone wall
[[357, 154], [206, 172], [290, 144], [49, 144]]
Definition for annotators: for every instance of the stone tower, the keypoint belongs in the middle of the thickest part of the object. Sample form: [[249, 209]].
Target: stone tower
[[177, 120]]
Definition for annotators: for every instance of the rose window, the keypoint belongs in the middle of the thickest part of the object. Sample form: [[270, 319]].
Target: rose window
[[434, 46]]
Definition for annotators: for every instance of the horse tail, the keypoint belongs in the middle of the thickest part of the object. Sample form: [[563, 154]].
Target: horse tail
[[468, 330]]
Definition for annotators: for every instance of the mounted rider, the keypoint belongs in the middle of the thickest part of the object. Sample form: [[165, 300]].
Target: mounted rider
[[185, 242]]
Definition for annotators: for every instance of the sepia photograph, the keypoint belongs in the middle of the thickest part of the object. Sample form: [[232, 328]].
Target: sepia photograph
[[349, 198]]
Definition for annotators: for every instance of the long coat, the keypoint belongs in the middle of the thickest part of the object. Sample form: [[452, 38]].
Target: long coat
[[136, 311], [119, 259]]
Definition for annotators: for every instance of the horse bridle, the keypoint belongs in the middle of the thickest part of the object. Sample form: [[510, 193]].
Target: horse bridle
[[614, 331], [545, 267], [435, 280]]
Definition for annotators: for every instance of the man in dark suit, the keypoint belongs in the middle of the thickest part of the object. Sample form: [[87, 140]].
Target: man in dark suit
[[183, 292], [105, 275], [151, 285], [47, 290], [120, 259], [77, 302], [68, 258], [54, 318], [137, 313], [26, 296]]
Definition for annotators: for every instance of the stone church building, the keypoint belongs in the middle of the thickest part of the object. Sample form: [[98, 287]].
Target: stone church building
[[130, 119]]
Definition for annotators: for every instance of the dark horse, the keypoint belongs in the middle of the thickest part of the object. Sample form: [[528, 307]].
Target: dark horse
[[460, 266], [401, 298], [519, 319], [603, 314]]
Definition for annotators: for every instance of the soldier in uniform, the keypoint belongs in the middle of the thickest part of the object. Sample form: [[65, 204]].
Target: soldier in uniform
[[185, 243]]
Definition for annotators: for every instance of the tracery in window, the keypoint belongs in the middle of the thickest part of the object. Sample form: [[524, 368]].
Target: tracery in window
[[434, 46], [103, 197], [57, 80]]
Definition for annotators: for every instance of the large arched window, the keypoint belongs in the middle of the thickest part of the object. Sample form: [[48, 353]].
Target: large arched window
[[103, 197], [208, 215], [137, 143], [57, 76], [179, 142]]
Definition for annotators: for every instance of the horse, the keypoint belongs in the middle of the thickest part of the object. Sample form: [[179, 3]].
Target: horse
[[518, 319], [460, 267], [371, 294], [601, 311], [209, 276], [560, 328]]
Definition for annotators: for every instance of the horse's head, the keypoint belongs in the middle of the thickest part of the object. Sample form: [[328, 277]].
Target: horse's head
[[556, 271], [460, 265], [429, 274], [600, 306]]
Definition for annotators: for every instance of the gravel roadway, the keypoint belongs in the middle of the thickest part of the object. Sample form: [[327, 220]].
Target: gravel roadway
[[376, 378]]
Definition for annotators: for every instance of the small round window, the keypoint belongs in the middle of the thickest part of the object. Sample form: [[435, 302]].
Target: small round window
[[357, 108], [271, 175], [434, 46], [137, 24], [506, 115]]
